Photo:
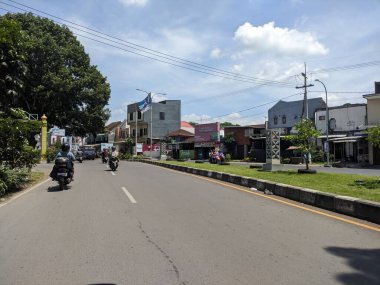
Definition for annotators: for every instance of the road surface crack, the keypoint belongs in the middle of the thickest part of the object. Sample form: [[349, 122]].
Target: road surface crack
[[166, 256]]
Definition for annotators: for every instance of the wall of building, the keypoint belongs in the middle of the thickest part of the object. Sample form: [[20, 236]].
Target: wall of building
[[347, 118], [292, 111], [373, 111], [172, 121]]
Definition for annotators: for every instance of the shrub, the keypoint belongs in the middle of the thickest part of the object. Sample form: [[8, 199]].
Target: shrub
[[13, 179], [29, 157], [52, 151], [125, 156], [318, 156], [3, 188], [285, 160], [228, 157]]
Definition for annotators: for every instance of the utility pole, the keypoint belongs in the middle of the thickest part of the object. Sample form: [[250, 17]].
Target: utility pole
[[305, 104]]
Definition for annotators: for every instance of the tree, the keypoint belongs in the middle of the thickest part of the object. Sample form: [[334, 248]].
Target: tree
[[227, 124], [306, 132], [60, 80], [229, 142], [374, 136], [12, 62], [15, 128]]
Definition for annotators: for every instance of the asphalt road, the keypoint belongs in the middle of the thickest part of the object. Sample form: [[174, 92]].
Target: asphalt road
[[149, 225]]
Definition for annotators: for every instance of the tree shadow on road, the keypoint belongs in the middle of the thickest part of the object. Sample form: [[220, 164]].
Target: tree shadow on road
[[366, 263]]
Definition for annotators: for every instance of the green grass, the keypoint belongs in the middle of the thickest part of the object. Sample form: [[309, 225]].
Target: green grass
[[358, 186], [35, 177]]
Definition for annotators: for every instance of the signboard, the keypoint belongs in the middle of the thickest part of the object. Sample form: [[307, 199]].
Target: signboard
[[139, 147], [58, 132], [207, 132], [105, 146]]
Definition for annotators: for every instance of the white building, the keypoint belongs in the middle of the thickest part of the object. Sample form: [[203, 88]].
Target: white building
[[346, 138], [342, 119], [373, 101]]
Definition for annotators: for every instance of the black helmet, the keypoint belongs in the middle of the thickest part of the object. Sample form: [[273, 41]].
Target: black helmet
[[113, 148], [65, 147]]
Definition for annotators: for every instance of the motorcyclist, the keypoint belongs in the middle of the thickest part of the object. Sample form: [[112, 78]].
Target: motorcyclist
[[65, 152], [114, 153], [104, 155]]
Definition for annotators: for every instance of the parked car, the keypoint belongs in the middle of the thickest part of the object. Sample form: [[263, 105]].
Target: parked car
[[89, 153]]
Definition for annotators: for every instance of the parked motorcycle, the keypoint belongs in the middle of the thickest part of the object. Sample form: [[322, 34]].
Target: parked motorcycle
[[113, 163], [62, 171], [216, 158]]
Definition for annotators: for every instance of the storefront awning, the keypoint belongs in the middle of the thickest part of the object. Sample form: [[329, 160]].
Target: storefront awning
[[348, 139]]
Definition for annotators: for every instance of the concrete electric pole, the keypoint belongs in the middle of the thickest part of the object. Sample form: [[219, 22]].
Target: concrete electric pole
[[305, 108]]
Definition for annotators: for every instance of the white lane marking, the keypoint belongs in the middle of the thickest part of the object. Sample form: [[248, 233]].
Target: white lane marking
[[129, 195], [113, 173], [24, 192]]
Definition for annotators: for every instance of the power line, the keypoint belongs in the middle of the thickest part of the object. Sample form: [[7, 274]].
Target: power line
[[347, 67], [183, 62], [254, 107]]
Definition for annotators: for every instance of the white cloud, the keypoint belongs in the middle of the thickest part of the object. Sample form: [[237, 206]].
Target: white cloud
[[238, 67], [181, 43], [268, 38], [235, 118], [215, 53], [159, 97], [196, 118], [139, 3]]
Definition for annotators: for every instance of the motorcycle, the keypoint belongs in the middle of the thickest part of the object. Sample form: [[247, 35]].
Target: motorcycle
[[113, 163], [104, 158], [62, 171], [216, 158], [79, 157]]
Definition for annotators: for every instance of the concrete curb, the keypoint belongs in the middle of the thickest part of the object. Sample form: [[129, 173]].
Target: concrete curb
[[355, 207]]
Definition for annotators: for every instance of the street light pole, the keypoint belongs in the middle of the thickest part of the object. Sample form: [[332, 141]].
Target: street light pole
[[327, 148], [151, 116]]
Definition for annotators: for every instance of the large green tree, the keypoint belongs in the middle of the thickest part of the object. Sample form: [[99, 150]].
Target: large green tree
[[60, 80], [12, 63]]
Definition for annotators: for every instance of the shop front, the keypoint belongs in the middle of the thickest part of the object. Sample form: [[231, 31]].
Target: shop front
[[206, 139]]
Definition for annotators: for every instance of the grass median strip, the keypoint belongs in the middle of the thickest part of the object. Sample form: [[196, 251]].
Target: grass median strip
[[358, 186]]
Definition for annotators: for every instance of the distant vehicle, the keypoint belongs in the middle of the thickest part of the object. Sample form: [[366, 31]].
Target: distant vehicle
[[89, 153], [79, 156]]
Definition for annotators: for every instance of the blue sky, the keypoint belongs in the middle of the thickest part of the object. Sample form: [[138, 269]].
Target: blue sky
[[249, 42]]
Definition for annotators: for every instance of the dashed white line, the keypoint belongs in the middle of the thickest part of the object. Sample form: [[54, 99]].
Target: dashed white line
[[129, 195]]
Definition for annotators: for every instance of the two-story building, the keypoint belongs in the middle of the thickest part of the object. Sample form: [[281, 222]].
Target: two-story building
[[284, 115], [248, 139], [373, 114], [345, 130], [162, 118]]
